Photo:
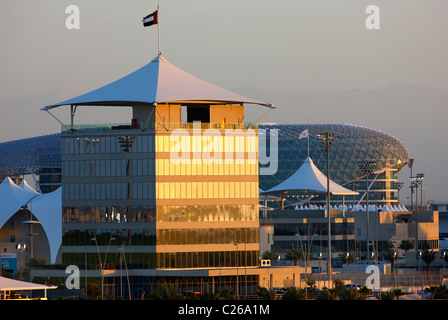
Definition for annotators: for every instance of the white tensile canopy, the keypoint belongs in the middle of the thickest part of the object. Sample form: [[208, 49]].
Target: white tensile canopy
[[309, 178], [47, 208], [7, 284], [157, 82]]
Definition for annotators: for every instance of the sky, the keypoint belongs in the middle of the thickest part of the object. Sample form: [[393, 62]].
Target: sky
[[314, 59]]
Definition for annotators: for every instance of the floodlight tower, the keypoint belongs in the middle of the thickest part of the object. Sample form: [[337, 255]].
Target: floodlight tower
[[410, 165], [398, 186], [326, 139], [367, 168]]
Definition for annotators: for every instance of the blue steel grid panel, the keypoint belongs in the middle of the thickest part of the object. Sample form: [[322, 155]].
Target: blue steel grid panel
[[19, 156]]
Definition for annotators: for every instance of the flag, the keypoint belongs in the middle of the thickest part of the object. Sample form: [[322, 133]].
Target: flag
[[150, 19], [303, 134]]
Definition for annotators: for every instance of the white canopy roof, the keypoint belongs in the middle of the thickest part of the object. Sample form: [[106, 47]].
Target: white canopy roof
[[308, 177], [47, 208], [157, 82], [7, 284], [12, 198]]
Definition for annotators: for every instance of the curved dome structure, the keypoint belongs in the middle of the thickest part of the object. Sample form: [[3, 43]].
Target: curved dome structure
[[352, 143], [19, 157], [40, 156]]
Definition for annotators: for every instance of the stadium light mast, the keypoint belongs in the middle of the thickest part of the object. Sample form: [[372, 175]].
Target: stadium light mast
[[367, 168], [410, 165], [420, 177], [415, 183], [398, 185], [326, 140]]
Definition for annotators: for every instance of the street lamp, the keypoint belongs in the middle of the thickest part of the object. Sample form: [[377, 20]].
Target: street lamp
[[101, 264], [326, 139], [307, 254], [20, 248], [394, 257], [367, 168]]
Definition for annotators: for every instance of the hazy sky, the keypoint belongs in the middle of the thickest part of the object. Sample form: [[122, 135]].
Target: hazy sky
[[314, 59]]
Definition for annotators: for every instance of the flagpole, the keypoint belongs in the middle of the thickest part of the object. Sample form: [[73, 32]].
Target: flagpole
[[308, 128], [158, 28]]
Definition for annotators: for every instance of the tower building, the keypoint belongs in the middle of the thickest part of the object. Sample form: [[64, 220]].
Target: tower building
[[171, 199]]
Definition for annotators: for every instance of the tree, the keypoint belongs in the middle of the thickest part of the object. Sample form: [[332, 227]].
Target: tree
[[406, 245], [441, 292], [164, 292], [432, 290], [349, 294], [327, 294], [338, 284], [94, 291], [397, 293], [293, 293], [428, 257], [364, 292], [349, 258], [295, 255], [265, 294], [310, 281], [389, 255], [388, 295], [226, 294], [270, 255]]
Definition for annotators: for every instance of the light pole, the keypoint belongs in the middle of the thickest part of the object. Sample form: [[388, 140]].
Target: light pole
[[398, 186], [412, 186], [415, 182], [20, 248], [237, 284], [123, 259], [245, 267], [410, 165], [420, 177], [326, 139], [101, 264], [394, 257], [443, 261], [367, 168], [307, 253], [355, 186]]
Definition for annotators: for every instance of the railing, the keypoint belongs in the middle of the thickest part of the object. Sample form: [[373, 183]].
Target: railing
[[411, 281], [158, 126]]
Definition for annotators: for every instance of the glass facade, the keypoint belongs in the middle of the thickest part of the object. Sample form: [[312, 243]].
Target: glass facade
[[215, 174], [175, 199]]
